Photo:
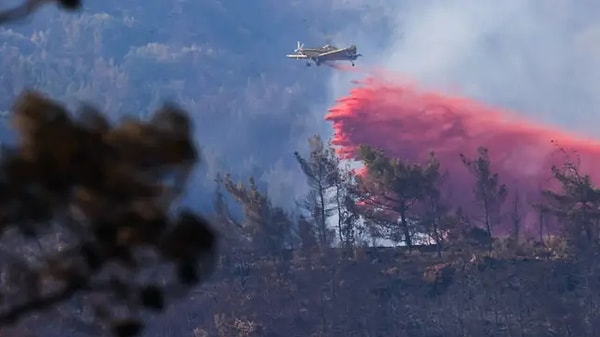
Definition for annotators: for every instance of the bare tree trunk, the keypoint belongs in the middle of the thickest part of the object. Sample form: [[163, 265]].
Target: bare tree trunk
[[322, 220], [405, 229], [542, 219], [339, 211]]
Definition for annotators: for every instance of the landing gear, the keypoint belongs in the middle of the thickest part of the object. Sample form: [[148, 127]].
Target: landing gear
[[308, 64], [352, 63], [318, 63]]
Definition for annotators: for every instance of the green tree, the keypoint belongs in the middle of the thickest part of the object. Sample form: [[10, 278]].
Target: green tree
[[269, 228], [390, 188], [321, 170], [490, 194], [576, 205], [349, 229], [307, 236], [231, 232], [436, 219]]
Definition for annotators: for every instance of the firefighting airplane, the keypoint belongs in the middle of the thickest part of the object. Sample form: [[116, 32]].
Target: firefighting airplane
[[324, 54]]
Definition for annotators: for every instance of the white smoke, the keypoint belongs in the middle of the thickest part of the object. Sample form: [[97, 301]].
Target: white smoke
[[537, 57]]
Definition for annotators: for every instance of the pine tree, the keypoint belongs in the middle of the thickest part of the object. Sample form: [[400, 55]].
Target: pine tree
[[389, 189], [490, 194], [321, 170], [268, 227], [576, 205]]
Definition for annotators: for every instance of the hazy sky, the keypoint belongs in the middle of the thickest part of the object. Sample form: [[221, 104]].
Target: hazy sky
[[540, 58]]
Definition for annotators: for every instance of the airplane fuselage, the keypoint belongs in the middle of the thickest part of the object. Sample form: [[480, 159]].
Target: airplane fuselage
[[318, 56], [326, 53]]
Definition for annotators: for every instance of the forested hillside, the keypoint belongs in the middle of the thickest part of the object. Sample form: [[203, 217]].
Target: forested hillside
[[453, 276], [320, 275], [221, 59]]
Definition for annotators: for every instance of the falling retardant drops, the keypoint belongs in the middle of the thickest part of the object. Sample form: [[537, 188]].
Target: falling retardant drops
[[408, 123]]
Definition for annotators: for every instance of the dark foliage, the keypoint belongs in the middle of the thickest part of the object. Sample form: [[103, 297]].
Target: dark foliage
[[86, 210], [27, 7], [490, 194], [94, 200]]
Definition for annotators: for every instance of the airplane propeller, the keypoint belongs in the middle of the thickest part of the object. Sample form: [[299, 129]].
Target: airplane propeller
[[299, 46]]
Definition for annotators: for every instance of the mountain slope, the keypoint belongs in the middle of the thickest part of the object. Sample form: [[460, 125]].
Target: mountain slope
[[223, 61]]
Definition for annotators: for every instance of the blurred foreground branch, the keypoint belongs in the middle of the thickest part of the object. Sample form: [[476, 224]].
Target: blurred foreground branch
[[86, 210], [28, 7]]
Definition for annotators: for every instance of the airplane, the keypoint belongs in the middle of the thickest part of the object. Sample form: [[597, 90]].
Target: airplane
[[324, 54]]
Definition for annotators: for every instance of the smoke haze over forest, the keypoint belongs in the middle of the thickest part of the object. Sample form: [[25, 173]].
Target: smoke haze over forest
[[466, 218], [253, 108], [539, 59]]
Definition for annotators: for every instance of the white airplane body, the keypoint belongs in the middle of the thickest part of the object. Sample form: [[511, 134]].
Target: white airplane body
[[324, 54]]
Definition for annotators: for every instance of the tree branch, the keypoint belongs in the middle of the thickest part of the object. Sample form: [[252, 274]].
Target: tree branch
[[11, 316], [28, 7], [22, 11]]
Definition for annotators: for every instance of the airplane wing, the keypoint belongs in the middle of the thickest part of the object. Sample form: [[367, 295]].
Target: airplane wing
[[297, 56], [332, 53]]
